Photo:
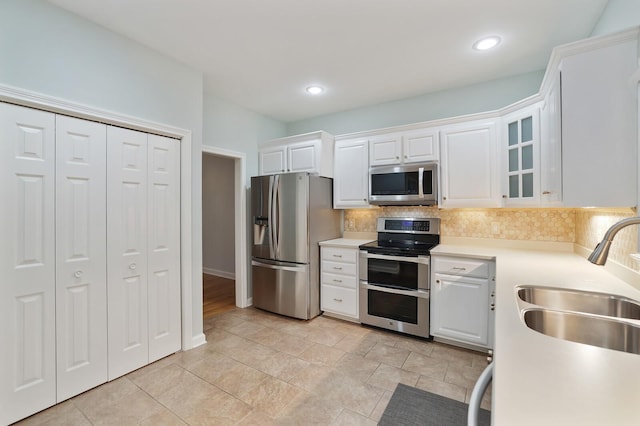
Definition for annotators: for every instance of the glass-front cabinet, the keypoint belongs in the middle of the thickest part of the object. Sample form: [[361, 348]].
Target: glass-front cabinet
[[521, 157]]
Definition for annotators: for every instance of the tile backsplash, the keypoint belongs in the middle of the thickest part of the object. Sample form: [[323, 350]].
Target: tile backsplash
[[584, 227]]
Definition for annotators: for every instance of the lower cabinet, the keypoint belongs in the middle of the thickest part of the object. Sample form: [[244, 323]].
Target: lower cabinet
[[89, 258], [462, 301], [339, 282]]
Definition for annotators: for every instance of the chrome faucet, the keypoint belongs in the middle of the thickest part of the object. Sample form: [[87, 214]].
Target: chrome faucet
[[600, 253]]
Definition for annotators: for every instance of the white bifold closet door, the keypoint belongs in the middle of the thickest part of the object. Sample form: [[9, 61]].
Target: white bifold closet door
[[81, 256], [143, 248], [27, 262]]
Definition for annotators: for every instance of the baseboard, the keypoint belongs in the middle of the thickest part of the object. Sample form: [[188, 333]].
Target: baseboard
[[219, 273], [198, 340]]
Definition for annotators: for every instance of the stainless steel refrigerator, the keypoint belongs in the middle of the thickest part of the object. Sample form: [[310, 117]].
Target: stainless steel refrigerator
[[291, 213]]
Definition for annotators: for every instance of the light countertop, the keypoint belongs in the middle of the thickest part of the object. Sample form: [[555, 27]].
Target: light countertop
[[344, 242], [541, 380]]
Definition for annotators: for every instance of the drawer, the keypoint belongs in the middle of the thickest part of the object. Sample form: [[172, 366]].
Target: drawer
[[339, 268], [460, 266], [339, 254], [339, 300], [339, 280]]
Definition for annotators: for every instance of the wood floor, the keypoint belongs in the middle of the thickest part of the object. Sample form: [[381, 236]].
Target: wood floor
[[218, 295]]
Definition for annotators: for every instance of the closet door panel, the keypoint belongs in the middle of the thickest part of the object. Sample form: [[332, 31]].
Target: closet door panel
[[27, 262], [164, 247], [81, 287], [127, 250]]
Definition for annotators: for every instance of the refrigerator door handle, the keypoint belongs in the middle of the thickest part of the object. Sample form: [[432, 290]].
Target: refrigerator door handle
[[276, 216], [270, 221], [278, 266]]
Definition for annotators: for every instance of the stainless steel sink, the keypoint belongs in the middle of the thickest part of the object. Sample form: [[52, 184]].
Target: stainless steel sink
[[580, 301], [592, 330]]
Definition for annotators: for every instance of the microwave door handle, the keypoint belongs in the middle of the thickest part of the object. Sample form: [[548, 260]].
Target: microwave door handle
[[421, 182]]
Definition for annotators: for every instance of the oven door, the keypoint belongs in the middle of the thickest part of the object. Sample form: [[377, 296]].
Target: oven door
[[399, 272], [405, 311]]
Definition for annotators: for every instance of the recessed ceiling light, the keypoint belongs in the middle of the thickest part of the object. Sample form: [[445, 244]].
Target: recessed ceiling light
[[486, 43], [315, 90]]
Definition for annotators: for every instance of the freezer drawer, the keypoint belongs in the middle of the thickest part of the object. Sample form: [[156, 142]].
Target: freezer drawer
[[282, 288]]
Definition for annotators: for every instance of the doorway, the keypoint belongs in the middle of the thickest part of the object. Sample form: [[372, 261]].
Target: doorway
[[223, 235]]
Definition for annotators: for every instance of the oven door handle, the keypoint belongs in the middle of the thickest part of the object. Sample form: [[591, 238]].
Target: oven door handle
[[421, 293], [412, 259]]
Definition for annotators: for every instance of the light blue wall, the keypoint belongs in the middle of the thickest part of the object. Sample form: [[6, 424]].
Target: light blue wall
[[229, 126], [618, 15], [480, 97], [50, 51]]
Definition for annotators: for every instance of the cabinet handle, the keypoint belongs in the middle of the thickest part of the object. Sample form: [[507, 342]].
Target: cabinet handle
[[397, 158], [504, 196], [337, 281], [546, 192], [444, 198], [457, 268], [437, 281], [77, 274], [133, 266], [493, 306], [406, 156], [337, 300], [337, 268], [337, 255]]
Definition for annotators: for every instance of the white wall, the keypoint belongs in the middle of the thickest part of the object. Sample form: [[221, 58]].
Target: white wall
[[227, 125], [618, 15], [51, 51], [218, 215], [480, 97]]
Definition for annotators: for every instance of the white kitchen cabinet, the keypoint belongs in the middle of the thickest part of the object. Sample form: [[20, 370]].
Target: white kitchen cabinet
[[413, 146], [81, 276], [462, 300], [599, 122], [143, 254], [310, 152], [339, 282], [469, 165], [27, 262], [550, 144], [351, 174], [521, 157]]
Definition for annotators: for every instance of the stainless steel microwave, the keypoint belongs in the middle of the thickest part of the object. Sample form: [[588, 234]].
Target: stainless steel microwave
[[408, 185]]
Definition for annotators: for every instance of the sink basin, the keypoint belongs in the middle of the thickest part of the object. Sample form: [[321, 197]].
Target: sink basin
[[581, 301], [592, 330]]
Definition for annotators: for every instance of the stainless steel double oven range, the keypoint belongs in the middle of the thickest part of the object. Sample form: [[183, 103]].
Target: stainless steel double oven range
[[395, 275]]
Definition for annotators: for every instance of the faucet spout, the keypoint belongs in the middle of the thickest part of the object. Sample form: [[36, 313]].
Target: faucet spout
[[601, 252]]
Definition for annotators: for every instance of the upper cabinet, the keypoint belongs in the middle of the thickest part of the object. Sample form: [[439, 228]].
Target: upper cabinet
[[310, 152], [469, 165], [413, 146], [551, 144], [599, 117], [351, 174], [521, 157]]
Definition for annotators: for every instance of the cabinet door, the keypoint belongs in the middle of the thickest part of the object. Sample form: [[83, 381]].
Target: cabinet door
[[163, 236], [460, 308], [351, 174], [469, 165], [550, 145], [127, 250], [27, 262], [303, 157], [273, 160], [521, 157], [385, 150], [420, 146], [599, 127], [81, 287]]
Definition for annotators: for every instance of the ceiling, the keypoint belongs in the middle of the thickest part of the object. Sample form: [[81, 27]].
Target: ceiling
[[263, 54]]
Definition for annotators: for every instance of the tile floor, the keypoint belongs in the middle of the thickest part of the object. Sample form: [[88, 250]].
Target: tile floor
[[263, 369]]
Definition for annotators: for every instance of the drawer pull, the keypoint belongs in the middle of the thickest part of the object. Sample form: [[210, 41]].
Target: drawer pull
[[77, 274], [337, 281], [457, 268], [337, 255], [337, 268], [337, 300]]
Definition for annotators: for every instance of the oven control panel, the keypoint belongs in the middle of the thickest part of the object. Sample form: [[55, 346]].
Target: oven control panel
[[409, 225]]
